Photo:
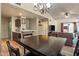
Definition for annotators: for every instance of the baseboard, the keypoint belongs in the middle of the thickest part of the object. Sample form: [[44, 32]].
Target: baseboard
[[4, 38]]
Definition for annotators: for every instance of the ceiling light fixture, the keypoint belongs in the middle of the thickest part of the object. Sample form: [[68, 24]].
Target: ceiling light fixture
[[42, 7], [20, 14], [48, 5], [66, 15]]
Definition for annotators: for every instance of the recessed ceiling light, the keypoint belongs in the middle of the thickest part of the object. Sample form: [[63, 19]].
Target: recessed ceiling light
[[35, 3], [20, 14]]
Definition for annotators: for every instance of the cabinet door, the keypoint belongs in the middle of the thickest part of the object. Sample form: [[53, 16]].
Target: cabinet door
[[17, 23], [43, 30]]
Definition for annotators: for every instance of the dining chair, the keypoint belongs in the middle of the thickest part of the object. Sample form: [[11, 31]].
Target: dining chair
[[76, 51], [56, 44], [12, 51], [15, 51]]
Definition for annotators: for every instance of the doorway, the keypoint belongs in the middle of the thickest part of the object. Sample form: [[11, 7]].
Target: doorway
[[9, 28], [68, 27], [5, 27]]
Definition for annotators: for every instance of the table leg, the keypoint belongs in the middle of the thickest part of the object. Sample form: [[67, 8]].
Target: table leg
[[24, 50]]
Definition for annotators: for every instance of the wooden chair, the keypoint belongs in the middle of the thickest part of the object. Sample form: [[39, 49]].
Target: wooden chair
[[15, 51]]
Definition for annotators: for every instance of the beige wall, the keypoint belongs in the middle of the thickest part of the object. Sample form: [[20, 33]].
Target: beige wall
[[57, 26], [4, 27], [59, 21], [51, 21], [32, 24]]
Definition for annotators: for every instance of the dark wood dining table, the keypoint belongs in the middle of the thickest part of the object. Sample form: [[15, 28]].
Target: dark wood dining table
[[41, 47]]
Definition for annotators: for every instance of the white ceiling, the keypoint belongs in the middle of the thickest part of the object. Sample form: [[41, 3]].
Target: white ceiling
[[10, 10], [58, 9]]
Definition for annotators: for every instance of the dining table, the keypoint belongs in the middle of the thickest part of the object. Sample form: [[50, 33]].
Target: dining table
[[42, 45]]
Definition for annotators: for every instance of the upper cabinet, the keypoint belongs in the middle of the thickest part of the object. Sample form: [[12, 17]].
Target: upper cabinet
[[24, 24], [17, 23]]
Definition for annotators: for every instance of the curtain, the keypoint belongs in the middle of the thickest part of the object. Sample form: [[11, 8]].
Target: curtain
[[61, 27]]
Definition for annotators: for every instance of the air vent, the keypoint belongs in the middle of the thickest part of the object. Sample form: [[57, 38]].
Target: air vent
[[18, 4]]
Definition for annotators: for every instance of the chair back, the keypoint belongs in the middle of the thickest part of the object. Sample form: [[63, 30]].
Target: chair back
[[13, 51], [56, 44], [76, 51]]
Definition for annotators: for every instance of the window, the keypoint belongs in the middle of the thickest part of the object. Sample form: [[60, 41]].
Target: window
[[68, 27]]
